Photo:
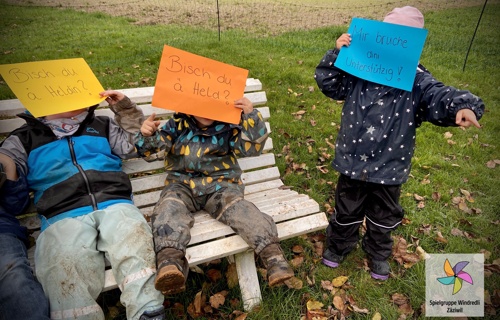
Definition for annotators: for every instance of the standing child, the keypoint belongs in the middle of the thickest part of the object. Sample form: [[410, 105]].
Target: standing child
[[375, 146], [203, 173], [72, 163]]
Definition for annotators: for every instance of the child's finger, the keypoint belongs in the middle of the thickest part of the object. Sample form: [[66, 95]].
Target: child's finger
[[151, 117]]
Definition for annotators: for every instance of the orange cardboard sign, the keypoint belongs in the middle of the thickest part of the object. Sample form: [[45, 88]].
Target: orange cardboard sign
[[199, 86], [53, 86]]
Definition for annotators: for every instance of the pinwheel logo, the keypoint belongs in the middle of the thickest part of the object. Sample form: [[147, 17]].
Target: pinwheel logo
[[455, 275]]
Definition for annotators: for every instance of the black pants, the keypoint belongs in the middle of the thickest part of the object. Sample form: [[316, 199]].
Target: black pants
[[356, 200]]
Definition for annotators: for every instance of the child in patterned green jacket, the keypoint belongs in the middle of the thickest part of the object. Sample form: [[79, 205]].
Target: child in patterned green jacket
[[203, 174]]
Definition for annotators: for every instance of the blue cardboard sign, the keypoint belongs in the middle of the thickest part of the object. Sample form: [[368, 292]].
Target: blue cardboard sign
[[382, 52]]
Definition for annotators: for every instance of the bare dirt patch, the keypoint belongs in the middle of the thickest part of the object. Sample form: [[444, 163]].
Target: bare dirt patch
[[257, 16]]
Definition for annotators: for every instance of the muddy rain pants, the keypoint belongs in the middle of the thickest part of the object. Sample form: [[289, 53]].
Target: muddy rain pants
[[70, 262], [173, 217]]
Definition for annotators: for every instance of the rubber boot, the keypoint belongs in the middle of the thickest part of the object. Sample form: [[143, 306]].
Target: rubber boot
[[278, 269], [172, 271]]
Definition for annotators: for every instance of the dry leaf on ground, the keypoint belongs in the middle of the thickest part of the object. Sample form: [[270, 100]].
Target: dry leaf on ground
[[294, 283], [217, 300], [339, 281]]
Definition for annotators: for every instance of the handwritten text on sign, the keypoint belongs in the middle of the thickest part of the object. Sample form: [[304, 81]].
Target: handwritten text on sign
[[383, 53], [54, 86], [199, 86]]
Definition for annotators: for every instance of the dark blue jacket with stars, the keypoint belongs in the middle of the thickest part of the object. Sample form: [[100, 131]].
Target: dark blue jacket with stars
[[377, 134]]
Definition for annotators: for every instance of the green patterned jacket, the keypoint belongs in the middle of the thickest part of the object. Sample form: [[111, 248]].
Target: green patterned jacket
[[205, 158]]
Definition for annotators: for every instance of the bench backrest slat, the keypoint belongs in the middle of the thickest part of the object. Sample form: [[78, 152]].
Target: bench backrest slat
[[142, 96], [147, 177]]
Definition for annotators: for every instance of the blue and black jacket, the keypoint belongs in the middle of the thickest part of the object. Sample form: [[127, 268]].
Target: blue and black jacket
[[74, 175]]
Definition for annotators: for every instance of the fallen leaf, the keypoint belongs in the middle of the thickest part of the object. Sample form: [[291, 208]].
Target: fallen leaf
[[214, 275], [465, 192], [476, 210], [339, 281], [294, 283], [217, 300], [457, 200], [421, 253], [425, 229], [314, 305], [330, 144], [338, 303], [405, 309], [377, 316], [399, 299], [356, 309], [457, 232], [318, 248], [198, 302], [491, 164], [486, 253], [463, 206], [436, 196], [310, 282], [297, 261], [242, 316], [440, 238], [323, 169], [327, 285], [417, 197], [232, 276]]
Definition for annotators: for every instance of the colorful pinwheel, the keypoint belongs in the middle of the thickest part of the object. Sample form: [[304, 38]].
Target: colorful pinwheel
[[455, 275]]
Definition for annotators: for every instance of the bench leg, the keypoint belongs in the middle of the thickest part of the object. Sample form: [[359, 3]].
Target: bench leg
[[247, 277]]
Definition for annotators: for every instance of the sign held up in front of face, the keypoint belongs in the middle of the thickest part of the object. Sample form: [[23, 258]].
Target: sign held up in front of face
[[382, 52], [53, 86], [198, 86]]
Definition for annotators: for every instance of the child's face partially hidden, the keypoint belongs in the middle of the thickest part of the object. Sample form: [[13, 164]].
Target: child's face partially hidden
[[203, 122], [69, 114]]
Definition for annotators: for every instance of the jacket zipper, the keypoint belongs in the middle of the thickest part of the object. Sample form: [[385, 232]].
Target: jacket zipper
[[82, 172]]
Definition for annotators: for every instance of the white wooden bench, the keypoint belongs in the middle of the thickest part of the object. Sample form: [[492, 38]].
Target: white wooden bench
[[295, 214]]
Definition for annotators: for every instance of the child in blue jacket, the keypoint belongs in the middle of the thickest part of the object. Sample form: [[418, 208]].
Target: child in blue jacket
[[72, 163]]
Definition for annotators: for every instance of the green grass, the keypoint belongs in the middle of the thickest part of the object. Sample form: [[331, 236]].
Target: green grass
[[125, 55]]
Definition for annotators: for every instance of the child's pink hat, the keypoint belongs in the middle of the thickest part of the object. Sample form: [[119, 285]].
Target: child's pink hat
[[406, 16]]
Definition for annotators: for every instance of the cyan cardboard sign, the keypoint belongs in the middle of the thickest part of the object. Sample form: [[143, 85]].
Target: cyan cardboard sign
[[382, 52]]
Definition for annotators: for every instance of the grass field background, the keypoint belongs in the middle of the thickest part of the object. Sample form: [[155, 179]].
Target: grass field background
[[451, 200]]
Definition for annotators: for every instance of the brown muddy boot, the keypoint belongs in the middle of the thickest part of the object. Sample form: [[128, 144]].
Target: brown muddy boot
[[278, 269], [171, 272]]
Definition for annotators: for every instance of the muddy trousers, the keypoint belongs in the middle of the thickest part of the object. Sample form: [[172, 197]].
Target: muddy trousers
[[356, 200], [69, 261], [173, 217]]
